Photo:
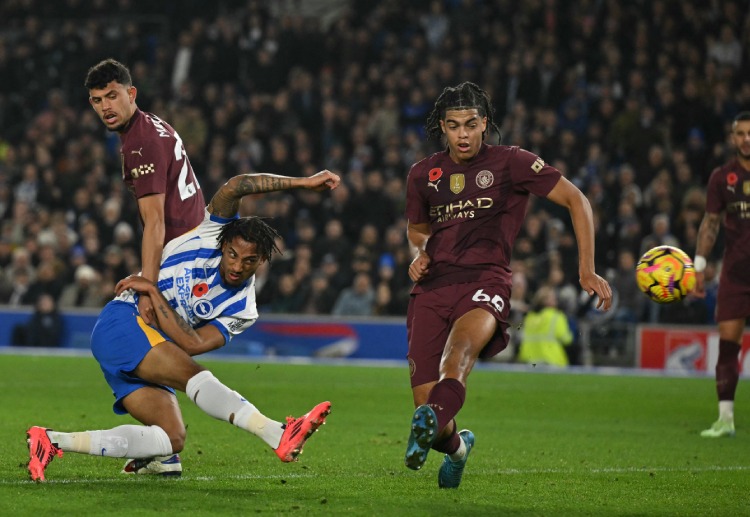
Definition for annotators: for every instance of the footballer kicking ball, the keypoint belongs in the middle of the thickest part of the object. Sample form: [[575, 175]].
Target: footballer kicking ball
[[666, 274]]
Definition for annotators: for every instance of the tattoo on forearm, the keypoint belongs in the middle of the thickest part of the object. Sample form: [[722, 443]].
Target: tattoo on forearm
[[257, 184], [712, 231], [226, 202], [166, 311], [707, 234]]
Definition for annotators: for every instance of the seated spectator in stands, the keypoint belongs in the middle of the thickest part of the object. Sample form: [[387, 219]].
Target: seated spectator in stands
[[332, 241], [361, 262], [18, 280], [84, 292], [45, 327], [320, 297], [331, 268], [660, 234], [357, 299], [46, 282], [629, 298], [546, 331], [383, 299], [288, 297]]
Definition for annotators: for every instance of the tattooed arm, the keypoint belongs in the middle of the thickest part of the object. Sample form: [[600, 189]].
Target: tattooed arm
[[192, 341], [707, 234], [226, 202]]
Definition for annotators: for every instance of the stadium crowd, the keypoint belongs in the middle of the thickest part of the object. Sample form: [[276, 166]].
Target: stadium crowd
[[630, 100]]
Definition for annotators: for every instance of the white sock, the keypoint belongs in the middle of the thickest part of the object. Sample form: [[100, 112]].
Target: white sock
[[250, 419], [224, 404], [132, 441], [726, 410], [460, 452]]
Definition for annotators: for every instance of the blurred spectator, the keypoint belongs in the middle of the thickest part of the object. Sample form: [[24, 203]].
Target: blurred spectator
[[84, 292], [357, 299], [320, 297], [288, 297], [45, 327], [47, 282], [660, 234], [628, 297]]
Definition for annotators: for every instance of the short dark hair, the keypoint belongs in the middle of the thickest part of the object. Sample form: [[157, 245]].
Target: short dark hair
[[104, 72], [466, 95], [742, 116], [251, 229]]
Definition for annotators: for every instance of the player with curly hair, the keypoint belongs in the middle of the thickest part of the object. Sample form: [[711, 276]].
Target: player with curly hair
[[204, 295], [465, 206]]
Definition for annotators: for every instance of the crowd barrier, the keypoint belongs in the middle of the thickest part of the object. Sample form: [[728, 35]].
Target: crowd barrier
[[272, 335], [683, 348], [674, 348]]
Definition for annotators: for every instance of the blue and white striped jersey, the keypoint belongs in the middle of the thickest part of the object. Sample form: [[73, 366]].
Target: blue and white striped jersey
[[190, 281]]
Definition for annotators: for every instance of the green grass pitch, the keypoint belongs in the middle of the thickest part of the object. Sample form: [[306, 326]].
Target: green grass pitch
[[546, 444]]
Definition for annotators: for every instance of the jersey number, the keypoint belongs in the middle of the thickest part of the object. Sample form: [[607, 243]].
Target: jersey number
[[496, 301], [186, 189]]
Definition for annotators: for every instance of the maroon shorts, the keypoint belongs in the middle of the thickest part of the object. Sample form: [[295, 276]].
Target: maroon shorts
[[431, 316], [732, 300]]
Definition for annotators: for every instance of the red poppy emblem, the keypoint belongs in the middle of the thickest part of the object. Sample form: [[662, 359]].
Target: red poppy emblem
[[200, 289], [435, 173], [732, 178]]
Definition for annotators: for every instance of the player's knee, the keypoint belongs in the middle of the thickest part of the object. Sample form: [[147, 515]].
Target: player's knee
[[178, 442], [177, 438]]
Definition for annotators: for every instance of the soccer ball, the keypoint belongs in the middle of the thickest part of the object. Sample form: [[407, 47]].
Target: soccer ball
[[666, 274]]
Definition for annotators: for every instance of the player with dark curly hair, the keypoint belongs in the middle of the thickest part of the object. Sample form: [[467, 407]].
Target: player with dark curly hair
[[465, 206], [205, 294]]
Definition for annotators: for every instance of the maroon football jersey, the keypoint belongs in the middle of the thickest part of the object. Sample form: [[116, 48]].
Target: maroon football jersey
[[475, 210], [154, 162], [729, 192]]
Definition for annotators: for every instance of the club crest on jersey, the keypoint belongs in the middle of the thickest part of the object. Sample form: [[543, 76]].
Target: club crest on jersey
[[537, 165], [142, 170], [203, 308], [458, 182], [485, 179]]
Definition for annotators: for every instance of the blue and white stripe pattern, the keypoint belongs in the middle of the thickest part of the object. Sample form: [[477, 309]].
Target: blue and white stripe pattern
[[189, 279]]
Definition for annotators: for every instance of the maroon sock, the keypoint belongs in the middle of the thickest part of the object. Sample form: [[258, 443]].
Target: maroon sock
[[450, 444], [446, 399], [727, 369]]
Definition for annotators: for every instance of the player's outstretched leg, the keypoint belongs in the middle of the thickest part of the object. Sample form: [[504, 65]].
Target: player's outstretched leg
[[159, 465], [451, 471], [719, 429], [41, 452], [424, 430], [298, 430]]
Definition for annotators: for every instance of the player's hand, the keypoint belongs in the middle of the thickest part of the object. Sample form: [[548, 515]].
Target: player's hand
[[594, 284], [323, 180], [143, 287], [146, 309], [419, 267], [700, 285], [135, 282]]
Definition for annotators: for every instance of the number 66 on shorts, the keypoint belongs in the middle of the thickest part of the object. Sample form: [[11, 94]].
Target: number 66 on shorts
[[431, 316]]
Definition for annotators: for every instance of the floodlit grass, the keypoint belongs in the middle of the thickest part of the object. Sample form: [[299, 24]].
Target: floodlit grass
[[547, 444]]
